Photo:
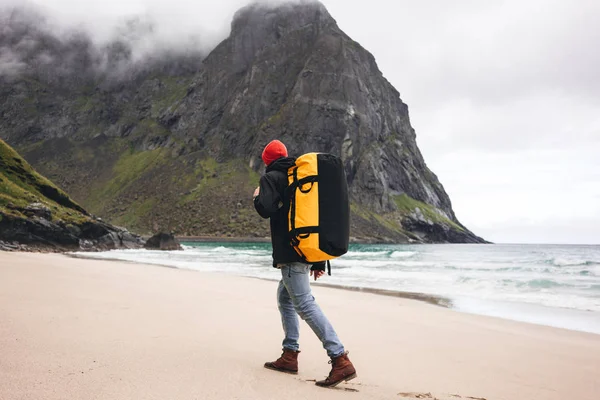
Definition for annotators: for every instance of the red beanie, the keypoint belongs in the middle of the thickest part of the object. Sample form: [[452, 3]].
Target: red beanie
[[273, 151]]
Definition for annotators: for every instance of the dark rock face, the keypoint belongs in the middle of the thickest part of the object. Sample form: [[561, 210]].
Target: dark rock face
[[38, 233], [430, 232], [163, 241], [99, 235], [285, 72]]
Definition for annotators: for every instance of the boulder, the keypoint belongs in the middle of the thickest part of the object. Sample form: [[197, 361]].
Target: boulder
[[8, 246], [130, 240], [163, 241], [109, 241], [38, 210]]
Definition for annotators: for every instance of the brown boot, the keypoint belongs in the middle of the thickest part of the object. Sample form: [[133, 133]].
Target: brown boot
[[342, 370], [288, 362]]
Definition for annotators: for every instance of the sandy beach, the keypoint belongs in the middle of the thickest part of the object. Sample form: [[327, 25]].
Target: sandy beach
[[84, 329]]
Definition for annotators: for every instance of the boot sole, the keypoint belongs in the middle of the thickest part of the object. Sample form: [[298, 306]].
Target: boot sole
[[346, 379], [285, 371]]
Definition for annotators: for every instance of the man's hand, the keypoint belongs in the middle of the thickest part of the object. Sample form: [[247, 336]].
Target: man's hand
[[256, 192], [317, 274]]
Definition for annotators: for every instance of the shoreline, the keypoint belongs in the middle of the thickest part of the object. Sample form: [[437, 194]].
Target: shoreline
[[576, 316], [120, 330], [242, 239], [435, 300], [422, 297], [223, 239]]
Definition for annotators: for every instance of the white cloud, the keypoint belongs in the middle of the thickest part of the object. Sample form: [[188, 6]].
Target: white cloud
[[504, 96], [538, 190], [10, 64]]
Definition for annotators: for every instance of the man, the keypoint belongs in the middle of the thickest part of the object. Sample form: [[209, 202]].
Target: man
[[294, 295]]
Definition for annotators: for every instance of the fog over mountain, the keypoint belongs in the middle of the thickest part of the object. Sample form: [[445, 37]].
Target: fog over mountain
[[32, 44]]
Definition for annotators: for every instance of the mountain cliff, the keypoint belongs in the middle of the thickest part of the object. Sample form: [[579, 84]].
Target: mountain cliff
[[175, 143]]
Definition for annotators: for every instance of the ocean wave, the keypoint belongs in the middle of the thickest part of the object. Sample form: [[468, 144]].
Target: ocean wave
[[403, 254], [228, 251], [564, 262], [370, 254], [380, 254], [544, 284], [372, 264], [220, 249], [543, 269]]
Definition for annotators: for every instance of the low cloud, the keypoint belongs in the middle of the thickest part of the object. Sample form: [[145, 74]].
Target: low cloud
[[10, 63], [36, 41], [116, 40]]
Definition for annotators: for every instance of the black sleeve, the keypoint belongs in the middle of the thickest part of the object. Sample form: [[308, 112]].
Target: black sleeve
[[318, 266], [269, 199]]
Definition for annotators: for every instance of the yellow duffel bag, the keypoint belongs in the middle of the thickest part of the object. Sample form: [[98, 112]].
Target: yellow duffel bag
[[319, 213]]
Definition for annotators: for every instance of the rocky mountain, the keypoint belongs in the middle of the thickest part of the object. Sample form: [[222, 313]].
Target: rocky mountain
[[174, 143], [35, 214]]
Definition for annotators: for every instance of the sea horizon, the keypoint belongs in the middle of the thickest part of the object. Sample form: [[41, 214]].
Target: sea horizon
[[251, 239]]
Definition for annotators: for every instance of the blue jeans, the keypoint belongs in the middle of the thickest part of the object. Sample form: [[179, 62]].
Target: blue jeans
[[294, 298]]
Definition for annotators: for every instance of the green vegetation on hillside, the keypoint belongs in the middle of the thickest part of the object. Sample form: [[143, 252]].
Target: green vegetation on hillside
[[150, 190], [232, 182], [390, 222], [172, 91], [129, 167], [21, 185], [210, 176], [408, 205], [393, 222]]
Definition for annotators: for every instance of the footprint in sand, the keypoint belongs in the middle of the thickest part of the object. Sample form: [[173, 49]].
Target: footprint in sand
[[415, 395], [429, 396], [346, 389]]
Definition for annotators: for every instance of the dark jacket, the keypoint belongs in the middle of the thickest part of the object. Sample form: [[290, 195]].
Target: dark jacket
[[271, 203]]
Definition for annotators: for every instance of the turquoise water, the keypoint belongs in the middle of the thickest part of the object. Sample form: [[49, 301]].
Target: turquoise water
[[545, 284]]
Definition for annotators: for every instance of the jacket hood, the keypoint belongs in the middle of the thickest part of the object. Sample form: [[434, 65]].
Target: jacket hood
[[282, 164]]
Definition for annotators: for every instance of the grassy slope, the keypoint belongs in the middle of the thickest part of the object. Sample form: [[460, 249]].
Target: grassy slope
[[147, 191], [408, 205], [151, 190], [389, 225], [21, 185]]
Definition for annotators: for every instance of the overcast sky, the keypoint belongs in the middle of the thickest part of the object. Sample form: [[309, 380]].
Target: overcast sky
[[504, 96]]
